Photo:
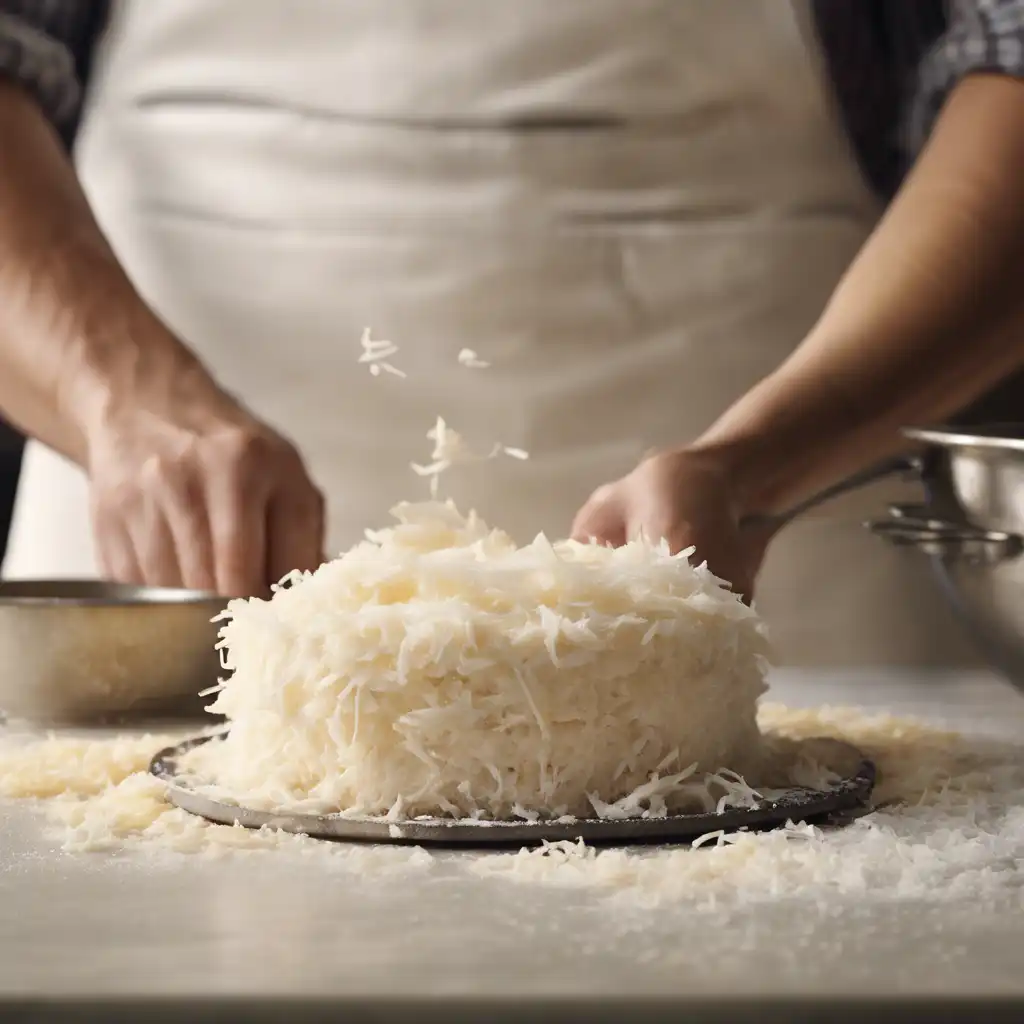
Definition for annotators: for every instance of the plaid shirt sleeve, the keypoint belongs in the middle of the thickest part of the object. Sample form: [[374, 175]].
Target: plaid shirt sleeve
[[44, 46], [982, 36]]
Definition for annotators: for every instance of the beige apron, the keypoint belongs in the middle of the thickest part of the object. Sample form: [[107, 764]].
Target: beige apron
[[633, 211]]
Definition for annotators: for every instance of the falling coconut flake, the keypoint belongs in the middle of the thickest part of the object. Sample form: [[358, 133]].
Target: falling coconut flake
[[467, 357], [450, 448], [377, 353]]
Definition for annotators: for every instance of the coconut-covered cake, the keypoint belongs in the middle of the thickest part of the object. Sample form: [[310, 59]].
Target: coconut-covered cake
[[438, 669]]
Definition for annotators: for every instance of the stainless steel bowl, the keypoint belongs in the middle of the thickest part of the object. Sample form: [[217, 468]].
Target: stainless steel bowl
[[78, 650], [970, 523]]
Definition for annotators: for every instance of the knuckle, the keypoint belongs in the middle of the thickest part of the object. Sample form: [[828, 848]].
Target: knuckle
[[247, 456], [241, 447], [112, 499], [167, 477]]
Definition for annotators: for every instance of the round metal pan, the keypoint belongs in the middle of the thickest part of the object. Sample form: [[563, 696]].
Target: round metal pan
[[845, 799]]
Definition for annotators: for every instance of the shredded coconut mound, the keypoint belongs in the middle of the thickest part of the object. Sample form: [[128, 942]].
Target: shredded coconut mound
[[438, 669]]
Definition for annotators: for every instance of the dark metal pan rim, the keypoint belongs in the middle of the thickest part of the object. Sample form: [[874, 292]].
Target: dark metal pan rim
[[798, 804]]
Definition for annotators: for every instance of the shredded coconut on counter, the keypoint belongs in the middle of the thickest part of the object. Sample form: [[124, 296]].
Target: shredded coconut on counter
[[948, 825], [100, 798]]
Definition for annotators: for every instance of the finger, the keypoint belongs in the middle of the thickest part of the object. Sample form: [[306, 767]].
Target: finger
[[154, 549], [238, 533], [189, 523], [753, 555], [726, 560], [600, 520], [115, 550], [680, 536], [296, 532]]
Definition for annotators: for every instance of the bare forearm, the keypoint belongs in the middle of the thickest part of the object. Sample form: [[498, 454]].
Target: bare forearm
[[927, 318], [72, 328]]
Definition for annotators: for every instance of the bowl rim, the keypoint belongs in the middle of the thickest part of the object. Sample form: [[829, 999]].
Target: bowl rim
[[1001, 436], [88, 593]]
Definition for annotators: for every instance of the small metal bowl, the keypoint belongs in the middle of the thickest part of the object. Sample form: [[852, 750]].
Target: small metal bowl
[[77, 651]]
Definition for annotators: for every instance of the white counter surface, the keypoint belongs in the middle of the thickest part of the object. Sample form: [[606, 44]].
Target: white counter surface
[[300, 941]]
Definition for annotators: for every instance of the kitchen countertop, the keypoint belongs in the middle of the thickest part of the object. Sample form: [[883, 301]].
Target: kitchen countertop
[[111, 937]]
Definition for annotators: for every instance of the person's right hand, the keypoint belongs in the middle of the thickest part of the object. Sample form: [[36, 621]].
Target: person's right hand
[[686, 498], [197, 493]]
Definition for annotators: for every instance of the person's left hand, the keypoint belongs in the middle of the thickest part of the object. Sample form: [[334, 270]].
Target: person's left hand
[[687, 498]]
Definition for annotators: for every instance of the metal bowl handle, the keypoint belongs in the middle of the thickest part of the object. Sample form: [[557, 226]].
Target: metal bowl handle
[[909, 525], [902, 465], [945, 540]]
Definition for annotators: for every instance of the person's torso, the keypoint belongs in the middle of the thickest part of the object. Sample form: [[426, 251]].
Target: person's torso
[[326, 112], [608, 204], [633, 212]]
